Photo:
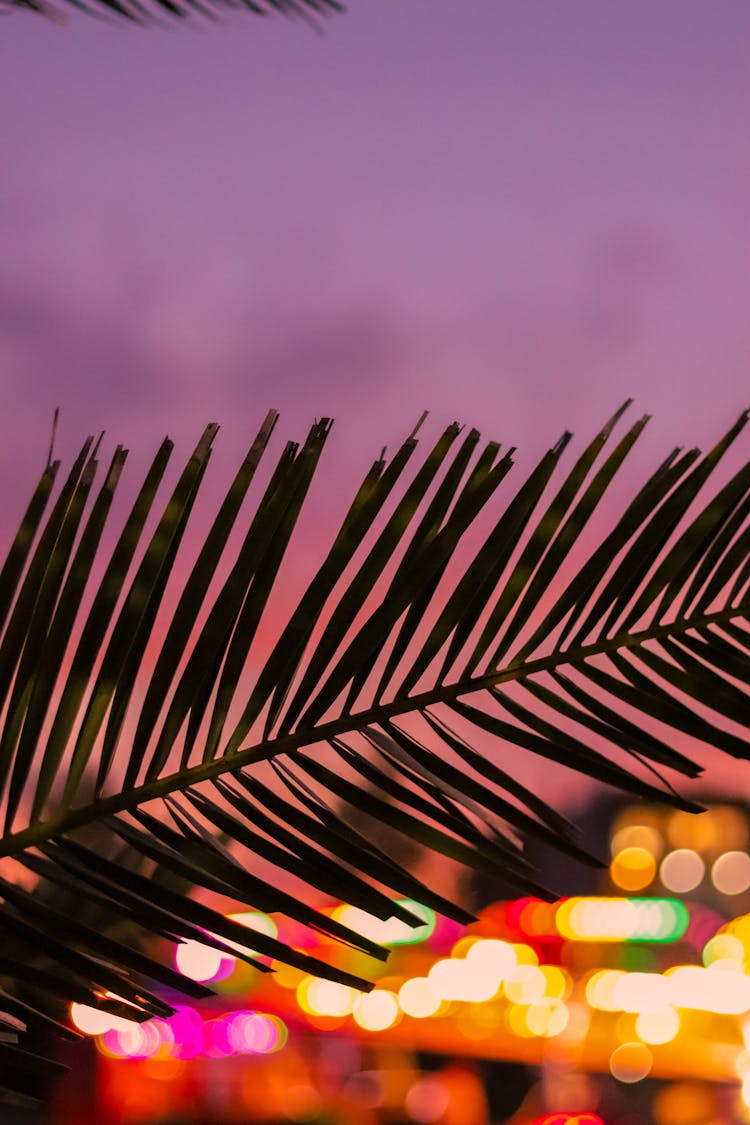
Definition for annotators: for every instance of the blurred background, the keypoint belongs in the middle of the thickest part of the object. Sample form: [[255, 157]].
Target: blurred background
[[514, 214], [625, 1003]]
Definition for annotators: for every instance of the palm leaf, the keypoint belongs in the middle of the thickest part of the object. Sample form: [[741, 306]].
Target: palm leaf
[[139, 701], [154, 11]]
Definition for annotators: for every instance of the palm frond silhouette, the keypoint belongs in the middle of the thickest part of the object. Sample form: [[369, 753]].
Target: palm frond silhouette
[[139, 704], [146, 12]]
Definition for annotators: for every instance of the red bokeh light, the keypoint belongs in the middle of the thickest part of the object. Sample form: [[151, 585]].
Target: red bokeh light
[[568, 1119]]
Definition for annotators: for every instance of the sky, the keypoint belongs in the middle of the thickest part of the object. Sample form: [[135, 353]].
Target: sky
[[515, 213]]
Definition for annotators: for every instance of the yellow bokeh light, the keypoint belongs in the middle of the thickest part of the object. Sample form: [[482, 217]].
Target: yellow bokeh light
[[633, 868], [597, 919], [740, 928], [302, 991], [417, 998], [730, 873], [630, 1062], [377, 1010], [638, 836], [327, 998], [558, 983], [446, 978], [709, 990], [524, 954], [253, 920], [640, 992], [359, 921], [463, 945], [600, 989], [525, 985], [682, 870], [387, 931], [287, 976], [456, 978], [624, 1028], [517, 1023], [547, 1018], [723, 947], [498, 957], [659, 1026]]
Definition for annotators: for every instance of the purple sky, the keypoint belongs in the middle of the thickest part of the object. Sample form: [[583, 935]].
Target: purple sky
[[511, 212]]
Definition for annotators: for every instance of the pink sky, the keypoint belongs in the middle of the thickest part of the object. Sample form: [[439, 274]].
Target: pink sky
[[515, 213]]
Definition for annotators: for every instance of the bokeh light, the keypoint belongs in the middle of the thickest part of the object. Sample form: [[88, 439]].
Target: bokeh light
[[427, 1099], [202, 962], [730, 873], [658, 1026], [187, 1029], [637, 836], [622, 919], [633, 869], [525, 984], [568, 1119], [456, 978], [723, 947], [253, 920], [537, 918], [496, 956], [390, 931], [524, 954], [255, 1033], [640, 992], [682, 870], [217, 1043], [325, 997], [547, 1018], [302, 1102], [558, 983], [709, 990], [417, 998], [376, 1010], [515, 1018], [600, 988], [630, 1062], [95, 1021]]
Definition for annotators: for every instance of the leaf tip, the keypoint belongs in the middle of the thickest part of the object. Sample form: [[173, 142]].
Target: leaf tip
[[423, 417], [53, 435]]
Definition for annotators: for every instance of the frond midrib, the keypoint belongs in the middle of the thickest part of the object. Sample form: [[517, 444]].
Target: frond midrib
[[269, 748]]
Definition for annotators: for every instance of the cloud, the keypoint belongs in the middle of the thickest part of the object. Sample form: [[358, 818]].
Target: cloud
[[347, 355], [93, 361], [633, 272]]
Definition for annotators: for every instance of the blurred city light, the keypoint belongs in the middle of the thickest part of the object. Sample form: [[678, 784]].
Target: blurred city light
[[633, 869], [376, 1010], [730, 873], [682, 870]]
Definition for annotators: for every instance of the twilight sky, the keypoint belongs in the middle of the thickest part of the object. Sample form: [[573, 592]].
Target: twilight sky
[[511, 212]]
